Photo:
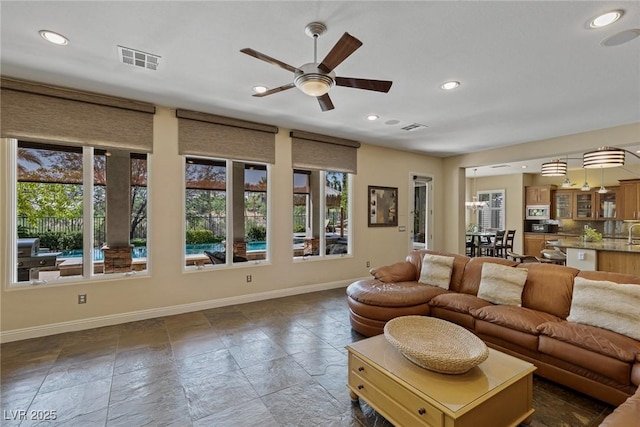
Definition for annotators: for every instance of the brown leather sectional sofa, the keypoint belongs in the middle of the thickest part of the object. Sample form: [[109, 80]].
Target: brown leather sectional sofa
[[594, 361]]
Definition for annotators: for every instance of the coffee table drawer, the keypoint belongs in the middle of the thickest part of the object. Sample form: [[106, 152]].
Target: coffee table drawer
[[375, 387]]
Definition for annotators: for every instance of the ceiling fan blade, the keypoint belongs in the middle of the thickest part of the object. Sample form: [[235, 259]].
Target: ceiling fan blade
[[345, 47], [366, 84], [325, 102], [275, 90], [268, 59]]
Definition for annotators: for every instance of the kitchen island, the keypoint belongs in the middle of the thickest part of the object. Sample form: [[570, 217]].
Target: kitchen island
[[614, 255]]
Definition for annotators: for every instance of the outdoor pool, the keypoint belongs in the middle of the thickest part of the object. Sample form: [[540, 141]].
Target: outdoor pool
[[191, 249]]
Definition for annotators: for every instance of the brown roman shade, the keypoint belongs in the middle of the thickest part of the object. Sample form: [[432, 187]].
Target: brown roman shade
[[321, 152], [202, 134], [38, 112]]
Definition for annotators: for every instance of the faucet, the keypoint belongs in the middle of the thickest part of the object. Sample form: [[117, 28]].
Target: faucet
[[631, 231]]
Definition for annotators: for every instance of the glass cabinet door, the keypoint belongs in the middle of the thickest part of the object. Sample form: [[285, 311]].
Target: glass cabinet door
[[563, 201], [584, 205], [607, 205]]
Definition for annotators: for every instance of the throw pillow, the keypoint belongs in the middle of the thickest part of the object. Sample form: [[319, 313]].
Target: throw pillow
[[436, 270], [607, 305], [501, 284]]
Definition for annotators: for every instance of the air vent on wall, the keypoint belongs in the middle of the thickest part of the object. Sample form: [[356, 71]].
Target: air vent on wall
[[413, 126], [138, 58]]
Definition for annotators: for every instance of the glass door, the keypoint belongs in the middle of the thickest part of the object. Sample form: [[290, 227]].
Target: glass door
[[420, 233], [563, 201], [584, 205]]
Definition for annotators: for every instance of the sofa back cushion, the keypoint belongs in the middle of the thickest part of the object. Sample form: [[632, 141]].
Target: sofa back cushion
[[610, 277], [548, 288], [459, 262], [470, 281]]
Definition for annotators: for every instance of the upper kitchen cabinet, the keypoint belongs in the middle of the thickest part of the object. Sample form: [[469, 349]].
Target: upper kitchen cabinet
[[584, 205], [563, 204], [607, 204], [538, 194], [629, 199]]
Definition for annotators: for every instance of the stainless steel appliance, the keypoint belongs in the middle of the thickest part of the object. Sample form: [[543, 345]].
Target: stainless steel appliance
[[538, 212], [30, 261]]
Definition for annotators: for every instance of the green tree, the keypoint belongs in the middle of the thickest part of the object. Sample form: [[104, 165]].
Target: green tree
[[38, 200]]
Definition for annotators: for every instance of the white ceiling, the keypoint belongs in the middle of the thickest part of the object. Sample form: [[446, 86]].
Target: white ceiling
[[529, 70]]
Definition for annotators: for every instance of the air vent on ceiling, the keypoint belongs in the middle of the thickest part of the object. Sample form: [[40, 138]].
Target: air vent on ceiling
[[500, 166], [413, 126], [138, 58]]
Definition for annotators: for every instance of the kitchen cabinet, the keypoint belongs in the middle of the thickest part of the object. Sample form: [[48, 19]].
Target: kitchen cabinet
[[538, 194], [534, 243], [629, 203], [607, 204], [563, 204], [584, 205]]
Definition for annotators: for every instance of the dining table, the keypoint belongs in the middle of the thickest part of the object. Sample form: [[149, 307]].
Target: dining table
[[476, 236]]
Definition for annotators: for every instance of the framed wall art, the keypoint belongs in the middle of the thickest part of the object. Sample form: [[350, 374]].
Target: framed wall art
[[383, 206]]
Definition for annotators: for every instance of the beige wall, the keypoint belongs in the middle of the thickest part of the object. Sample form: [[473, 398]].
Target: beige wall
[[47, 309]]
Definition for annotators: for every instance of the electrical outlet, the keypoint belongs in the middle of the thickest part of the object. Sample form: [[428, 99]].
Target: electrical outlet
[[581, 256], [248, 278], [368, 264], [82, 298]]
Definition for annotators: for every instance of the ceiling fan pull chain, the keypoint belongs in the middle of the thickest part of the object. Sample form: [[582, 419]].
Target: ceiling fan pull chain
[[315, 48]]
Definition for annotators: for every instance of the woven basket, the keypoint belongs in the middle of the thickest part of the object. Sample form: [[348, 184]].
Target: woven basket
[[436, 344]]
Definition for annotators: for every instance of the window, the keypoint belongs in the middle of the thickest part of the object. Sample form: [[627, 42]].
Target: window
[[492, 215], [321, 204], [218, 190], [61, 200]]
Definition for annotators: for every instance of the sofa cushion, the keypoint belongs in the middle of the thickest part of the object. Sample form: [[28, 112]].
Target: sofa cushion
[[395, 294], [402, 271], [473, 271], [436, 270], [500, 284], [607, 305], [593, 338], [548, 288], [460, 303], [514, 317], [627, 414]]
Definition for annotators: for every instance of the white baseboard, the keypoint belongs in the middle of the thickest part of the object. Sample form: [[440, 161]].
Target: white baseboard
[[115, 319]]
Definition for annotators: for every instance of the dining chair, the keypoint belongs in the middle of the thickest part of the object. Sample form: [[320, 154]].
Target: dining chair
[[494, 246], [507, 245]]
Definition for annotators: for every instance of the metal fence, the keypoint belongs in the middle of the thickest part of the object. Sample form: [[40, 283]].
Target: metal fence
[[74, 225]]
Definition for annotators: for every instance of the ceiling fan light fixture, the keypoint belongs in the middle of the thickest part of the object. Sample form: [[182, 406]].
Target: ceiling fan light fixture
[[313, 84], [259, 89]]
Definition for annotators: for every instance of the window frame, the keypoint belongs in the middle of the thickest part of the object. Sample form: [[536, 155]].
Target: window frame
[[88, 152], [501, 211], [229, 163], [322, 244]]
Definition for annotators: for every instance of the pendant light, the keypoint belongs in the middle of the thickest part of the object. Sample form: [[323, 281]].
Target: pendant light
[[602, 189], [585, 186]]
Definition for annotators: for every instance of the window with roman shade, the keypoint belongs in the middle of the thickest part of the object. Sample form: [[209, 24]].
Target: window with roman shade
[[321, 152], [37, 112], [209, 135]]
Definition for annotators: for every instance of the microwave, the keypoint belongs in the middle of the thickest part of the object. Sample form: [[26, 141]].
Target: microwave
[[538, 212]]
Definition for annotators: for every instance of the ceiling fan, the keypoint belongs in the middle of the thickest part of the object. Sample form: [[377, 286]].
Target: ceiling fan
[[316, 79]]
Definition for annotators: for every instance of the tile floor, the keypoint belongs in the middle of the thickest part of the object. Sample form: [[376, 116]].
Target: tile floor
[[279, 362]]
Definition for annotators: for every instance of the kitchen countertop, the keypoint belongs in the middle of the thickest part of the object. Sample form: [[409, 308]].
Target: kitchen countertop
[[612, 245]]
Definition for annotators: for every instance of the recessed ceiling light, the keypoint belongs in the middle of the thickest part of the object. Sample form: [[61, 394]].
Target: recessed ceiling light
[[450, 85], [372, 117], [605, 19], [54, 37], [259, 89], [524, 166]]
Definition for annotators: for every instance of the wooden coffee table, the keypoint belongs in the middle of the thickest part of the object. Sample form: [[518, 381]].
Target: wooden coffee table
[[498, 392]]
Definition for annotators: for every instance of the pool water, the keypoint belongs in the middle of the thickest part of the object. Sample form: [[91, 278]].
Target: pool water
[[141, 251]]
